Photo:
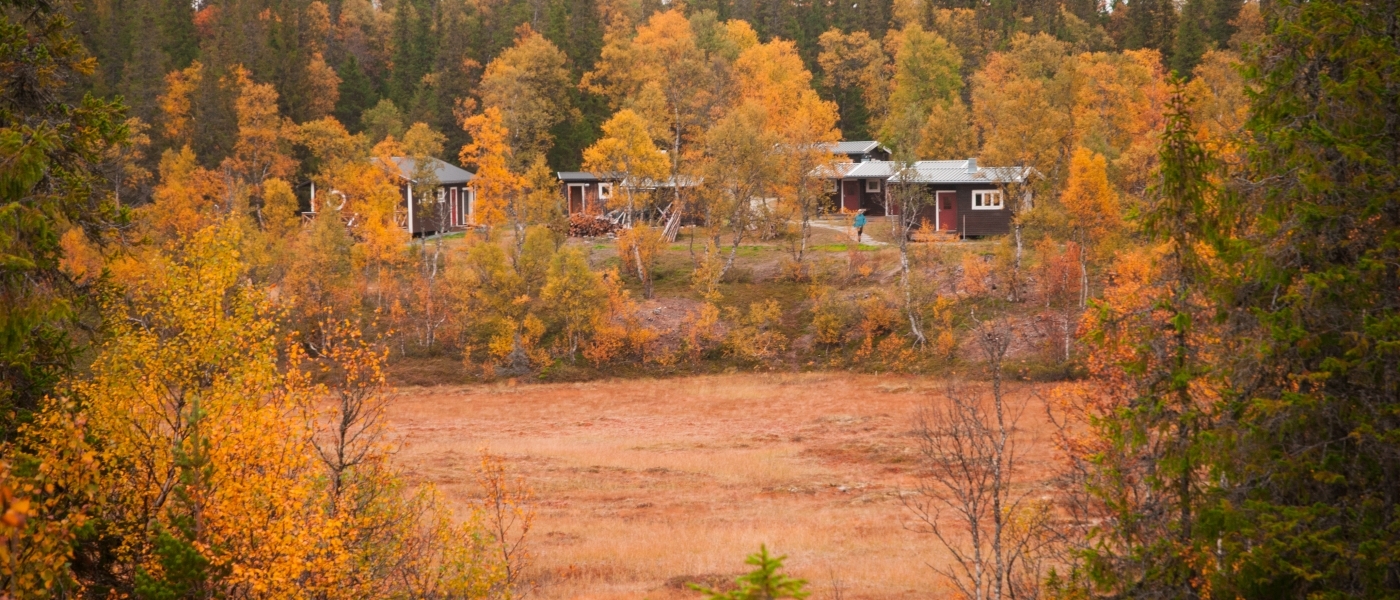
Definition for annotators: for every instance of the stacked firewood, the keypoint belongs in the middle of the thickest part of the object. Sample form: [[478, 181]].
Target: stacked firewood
[[590, 226]]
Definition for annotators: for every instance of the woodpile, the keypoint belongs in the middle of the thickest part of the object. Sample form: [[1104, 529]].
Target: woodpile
[[590, 226]]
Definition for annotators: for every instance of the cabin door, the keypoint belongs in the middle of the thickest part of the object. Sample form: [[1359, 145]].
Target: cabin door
[[577, 197], [850, 195], [947, 211]]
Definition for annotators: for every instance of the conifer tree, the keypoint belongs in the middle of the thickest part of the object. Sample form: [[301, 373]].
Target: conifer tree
[[49, 181], [765, 582], [1192, 37], [1146, 24], [1309, 504]]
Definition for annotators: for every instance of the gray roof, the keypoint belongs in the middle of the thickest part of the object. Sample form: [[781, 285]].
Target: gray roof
[[856, 147], [446, 173], [939, 171], [578, 176]]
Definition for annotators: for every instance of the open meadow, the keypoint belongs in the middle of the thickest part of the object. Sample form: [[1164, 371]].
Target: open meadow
[[642, 485]]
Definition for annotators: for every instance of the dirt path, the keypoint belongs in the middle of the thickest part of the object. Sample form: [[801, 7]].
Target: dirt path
[[848, 232], [643, 485]]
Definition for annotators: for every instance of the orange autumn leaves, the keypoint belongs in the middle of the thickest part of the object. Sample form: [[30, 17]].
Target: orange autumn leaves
[[204, 422]]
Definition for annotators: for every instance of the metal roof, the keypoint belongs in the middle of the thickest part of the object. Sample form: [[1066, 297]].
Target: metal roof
[[938, 171], [578, 176], [446, 173], [854, 147]]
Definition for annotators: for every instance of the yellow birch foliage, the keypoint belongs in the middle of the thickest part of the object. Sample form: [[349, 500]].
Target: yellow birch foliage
[[639, 247], [755, 336], [323, 85], [830, 316], [926, 74], [45, 489], [619, 333], [177, 104], [279, 210], [210, 482], [1020, 105], [265, 137], [575, 297], [855, 62], [626, 152], [495, 184], [1090, 202], [200, 378], [1220, 103], [773, 76], [188, 197], [1119, 110], [524, 84], [664, 76]]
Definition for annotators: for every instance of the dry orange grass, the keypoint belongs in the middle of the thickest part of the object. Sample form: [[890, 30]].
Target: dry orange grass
[[643, 484]]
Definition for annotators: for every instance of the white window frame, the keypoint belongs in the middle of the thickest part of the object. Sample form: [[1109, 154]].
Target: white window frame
[[454, 207], [605, 191], [872, 186], [582, 194], [836, 186], [988, 200]]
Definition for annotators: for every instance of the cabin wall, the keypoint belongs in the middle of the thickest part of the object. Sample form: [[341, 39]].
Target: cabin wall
[[592, 193], [425, 217], [973, 223], [872, 202]]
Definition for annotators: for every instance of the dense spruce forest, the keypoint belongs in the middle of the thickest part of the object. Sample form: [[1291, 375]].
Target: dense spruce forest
[[1199, 278], [341, 58]]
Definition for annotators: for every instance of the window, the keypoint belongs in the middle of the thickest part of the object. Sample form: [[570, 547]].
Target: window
[[872, 185], [836, 186], [986, 200], [604, 191]]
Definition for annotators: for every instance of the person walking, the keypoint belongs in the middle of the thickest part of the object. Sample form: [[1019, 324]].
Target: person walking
[[859, 224]]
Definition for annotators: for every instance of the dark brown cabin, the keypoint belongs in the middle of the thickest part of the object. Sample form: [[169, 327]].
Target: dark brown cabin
[[455, 208], [962, 197], [586, 193]]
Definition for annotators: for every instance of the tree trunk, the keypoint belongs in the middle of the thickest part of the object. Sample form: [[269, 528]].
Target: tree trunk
[[915, 328], [641, 271]]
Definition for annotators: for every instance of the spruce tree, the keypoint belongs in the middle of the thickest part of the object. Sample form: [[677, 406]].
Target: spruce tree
[[765, 582], [1191, 37], [48, 182], [1149, 24], [143, 74], [1313, 492], [1222, 15], [179, 41], [357, 94]]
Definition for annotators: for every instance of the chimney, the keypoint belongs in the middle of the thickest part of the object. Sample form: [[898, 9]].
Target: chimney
[[971, 165]]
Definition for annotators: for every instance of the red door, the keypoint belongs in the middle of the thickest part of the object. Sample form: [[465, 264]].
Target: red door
[[947, 211], [850, 195]]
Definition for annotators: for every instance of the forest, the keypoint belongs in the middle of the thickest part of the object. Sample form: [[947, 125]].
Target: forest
[[211, 308]]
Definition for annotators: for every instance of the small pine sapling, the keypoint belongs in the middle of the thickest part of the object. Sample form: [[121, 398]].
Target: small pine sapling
[[763, 583]]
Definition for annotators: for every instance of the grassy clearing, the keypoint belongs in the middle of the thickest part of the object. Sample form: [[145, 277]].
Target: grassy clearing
[[644, 482]]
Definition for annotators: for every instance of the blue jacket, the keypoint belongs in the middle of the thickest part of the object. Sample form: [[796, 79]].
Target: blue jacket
[[860, 220]]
